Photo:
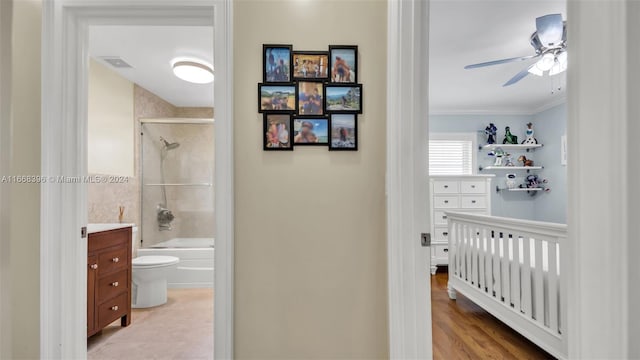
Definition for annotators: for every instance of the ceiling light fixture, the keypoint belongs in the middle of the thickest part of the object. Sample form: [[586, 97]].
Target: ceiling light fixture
[[192, 70], [560, 64]]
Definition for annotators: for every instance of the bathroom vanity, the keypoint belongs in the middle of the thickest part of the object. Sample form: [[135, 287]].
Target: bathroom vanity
[[108, 276]]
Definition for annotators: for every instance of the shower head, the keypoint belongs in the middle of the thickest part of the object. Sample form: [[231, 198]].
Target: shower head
[[168, 145]]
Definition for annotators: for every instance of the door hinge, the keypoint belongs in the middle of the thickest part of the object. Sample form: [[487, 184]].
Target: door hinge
[[83, 232], [425, 239]]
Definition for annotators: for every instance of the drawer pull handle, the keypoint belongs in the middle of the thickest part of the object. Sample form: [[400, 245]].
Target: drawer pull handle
[[444, 217], [446, 201], [473, 201], [446, 186], [114, 284], [114, 308], [94, 266], [445, 250], [473, 186], [115, 259], [445, 233]]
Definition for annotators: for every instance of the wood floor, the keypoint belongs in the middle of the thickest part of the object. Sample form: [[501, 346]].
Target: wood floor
[[462, 330]]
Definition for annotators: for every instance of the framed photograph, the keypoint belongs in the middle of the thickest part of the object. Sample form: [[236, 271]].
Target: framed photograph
[[310, 130], [343, 62], [276, 66], [342, 98], [277, 98], [310, 65], [343, 130], [310, 98], [277, 132]]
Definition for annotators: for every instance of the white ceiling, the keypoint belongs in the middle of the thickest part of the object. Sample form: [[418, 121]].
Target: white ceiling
[[468, 32], [149, 50]]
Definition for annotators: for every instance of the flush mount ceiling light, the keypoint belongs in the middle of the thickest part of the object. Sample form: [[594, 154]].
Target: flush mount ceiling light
[[192, 70]]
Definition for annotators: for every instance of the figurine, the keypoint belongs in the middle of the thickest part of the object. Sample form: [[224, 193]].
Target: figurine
[[509, 138], [491, 131], [525, 162], [508, 160], [530, 140], [511, 181], [499, 154]]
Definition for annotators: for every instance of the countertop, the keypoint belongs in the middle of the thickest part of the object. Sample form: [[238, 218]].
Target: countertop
[[94, 228]]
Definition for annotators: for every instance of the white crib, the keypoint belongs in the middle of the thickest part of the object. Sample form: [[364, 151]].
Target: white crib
[[511, 268]]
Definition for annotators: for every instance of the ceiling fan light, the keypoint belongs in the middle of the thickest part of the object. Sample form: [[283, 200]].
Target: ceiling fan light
[[536, 71], [546, 62], [193, 71], [560, 64]]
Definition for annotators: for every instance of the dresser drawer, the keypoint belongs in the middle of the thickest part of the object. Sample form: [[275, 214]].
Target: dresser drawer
[[111, 285], [473, 187], [439, 217], [446, 202], [446, 187], [113, 309], [440, 254], [441, 234], [113, 260], [473, 202]]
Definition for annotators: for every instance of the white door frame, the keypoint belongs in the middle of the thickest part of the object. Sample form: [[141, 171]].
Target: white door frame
[[407, 180], [64, 152]]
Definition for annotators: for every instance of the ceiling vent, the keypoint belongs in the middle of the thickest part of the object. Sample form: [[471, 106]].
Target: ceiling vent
[[115, 61]]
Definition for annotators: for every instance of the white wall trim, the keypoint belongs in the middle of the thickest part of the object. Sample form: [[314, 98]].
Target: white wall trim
[[598, 219], [559, 100], [64, 148], [406, 179], [5, 165]]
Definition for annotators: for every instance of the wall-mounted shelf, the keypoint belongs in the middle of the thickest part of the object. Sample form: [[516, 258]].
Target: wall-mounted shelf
[[498, 189], [512, 168], [506, 147], [176, 184]]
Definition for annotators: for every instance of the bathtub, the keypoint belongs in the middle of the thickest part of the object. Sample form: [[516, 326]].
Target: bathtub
[[195, 269]]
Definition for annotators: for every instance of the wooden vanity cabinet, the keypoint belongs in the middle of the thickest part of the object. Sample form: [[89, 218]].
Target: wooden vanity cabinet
[[108, 279]]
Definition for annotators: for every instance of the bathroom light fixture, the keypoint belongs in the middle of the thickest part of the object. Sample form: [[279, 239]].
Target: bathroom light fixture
[[192, 70]]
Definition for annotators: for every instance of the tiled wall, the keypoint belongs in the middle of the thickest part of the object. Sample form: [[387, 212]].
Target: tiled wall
[[105, 198]]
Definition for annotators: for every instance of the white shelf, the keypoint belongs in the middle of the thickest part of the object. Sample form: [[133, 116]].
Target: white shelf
[[510, 146], [522, 189], [175, 184], [511, 168]]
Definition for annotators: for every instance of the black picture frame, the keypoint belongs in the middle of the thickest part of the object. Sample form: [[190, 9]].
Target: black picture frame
[[272, 122], [277, 60], [320, 130], [266, 103], [343, 64], [337, 100], [317, 70], [308, 103], [343, 132]]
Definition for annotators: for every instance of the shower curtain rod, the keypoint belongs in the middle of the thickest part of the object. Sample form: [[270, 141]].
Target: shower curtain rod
[[177, 120]]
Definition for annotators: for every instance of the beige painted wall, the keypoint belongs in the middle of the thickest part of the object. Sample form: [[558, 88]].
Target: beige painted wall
[[310, 250], [111, 125], [25, 199]]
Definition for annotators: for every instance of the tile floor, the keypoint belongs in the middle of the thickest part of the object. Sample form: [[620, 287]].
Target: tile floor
[[180, 329]]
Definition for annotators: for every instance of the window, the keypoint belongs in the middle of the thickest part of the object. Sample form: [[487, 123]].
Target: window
[[452, 154]]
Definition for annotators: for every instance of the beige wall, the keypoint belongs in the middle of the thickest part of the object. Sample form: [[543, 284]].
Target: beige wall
[[25, 199], [110, 128], [310, 250]]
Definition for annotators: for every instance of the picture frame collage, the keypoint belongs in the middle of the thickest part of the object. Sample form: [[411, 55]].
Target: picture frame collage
[[310, 98]]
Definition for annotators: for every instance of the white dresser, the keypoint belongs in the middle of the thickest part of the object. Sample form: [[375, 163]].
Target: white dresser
[[471, 193]]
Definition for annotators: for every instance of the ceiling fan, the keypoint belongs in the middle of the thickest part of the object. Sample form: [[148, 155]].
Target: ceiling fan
[[550, 43]]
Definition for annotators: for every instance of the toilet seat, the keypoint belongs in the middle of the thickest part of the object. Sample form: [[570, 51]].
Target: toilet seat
[[153, 261]]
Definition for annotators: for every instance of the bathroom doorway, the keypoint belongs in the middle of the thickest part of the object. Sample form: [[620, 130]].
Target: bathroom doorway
[[64, 278]]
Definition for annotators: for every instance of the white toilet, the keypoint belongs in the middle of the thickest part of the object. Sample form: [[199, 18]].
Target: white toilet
[[150, 280]]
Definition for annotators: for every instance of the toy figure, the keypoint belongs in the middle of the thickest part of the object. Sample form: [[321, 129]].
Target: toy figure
[[509, 138], [508, 160], [511, 181], [525, 162], [499, 154], [530, 140], [491, 131]]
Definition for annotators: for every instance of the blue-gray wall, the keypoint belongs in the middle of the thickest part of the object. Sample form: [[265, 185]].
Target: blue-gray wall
[[549, 126]]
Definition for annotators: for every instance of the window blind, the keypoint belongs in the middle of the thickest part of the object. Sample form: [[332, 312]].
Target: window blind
[[450, 157]]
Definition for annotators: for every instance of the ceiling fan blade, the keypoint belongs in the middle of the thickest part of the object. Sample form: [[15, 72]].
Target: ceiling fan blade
[[519, 76], [503, 61], [550, 29]]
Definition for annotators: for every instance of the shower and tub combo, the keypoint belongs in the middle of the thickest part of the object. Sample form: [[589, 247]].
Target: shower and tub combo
[[176, 233]]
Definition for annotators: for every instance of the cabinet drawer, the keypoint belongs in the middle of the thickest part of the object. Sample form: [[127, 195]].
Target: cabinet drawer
[[439, 217], [446, 202], [111, 285], [113, 309], [445, 187], [107, 239], [473, 187], [441, 234], [473, 202], [440, 254], [113, 260]]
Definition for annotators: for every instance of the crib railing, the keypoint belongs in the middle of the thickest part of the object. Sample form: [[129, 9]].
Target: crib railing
[[512, 268]]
